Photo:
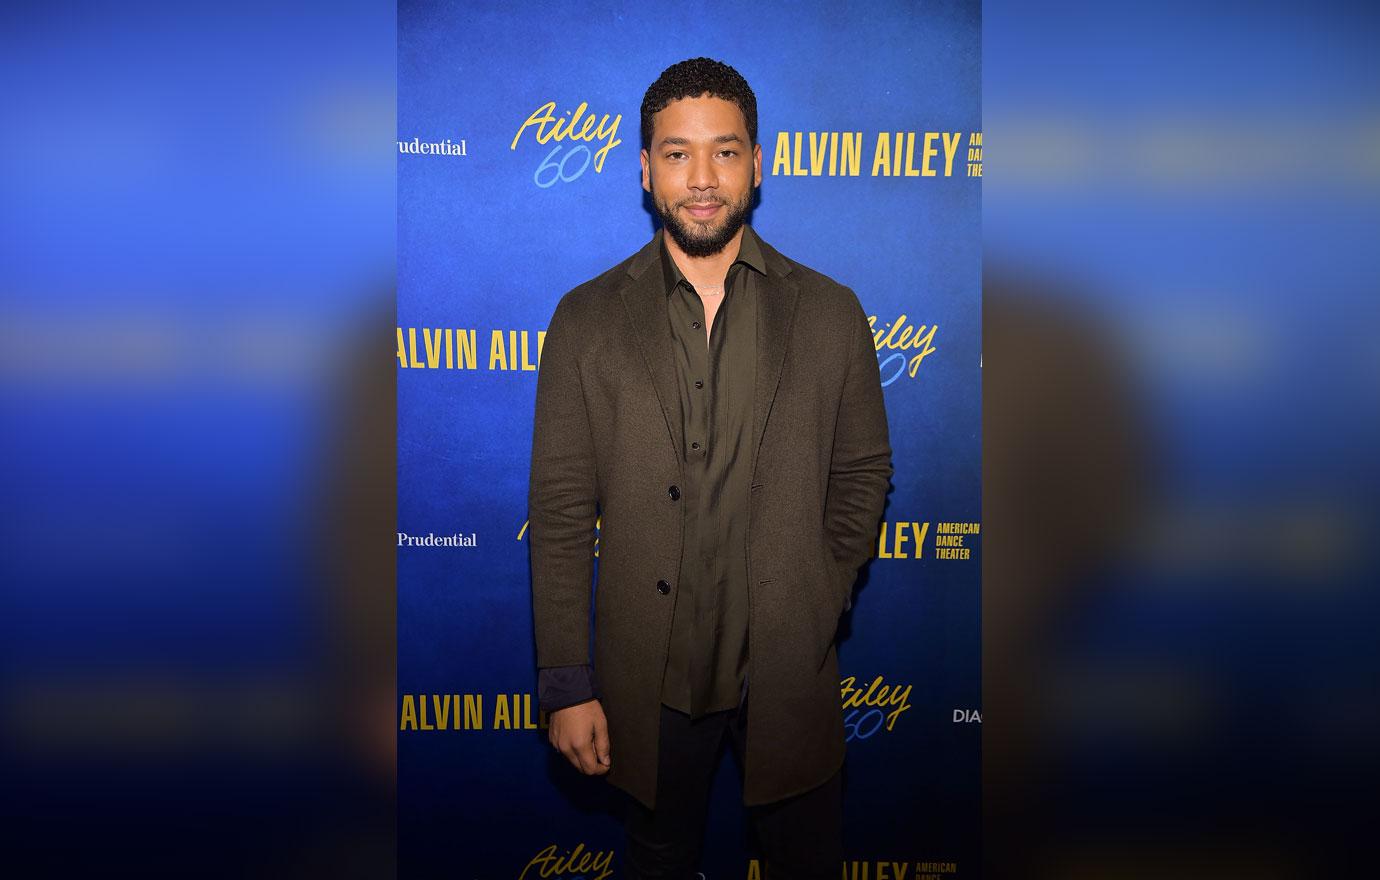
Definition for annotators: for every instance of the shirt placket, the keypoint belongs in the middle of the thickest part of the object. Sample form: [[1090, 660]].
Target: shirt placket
[[697, 441]]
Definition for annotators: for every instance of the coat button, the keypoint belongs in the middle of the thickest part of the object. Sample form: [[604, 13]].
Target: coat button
[[663, 587], [674, 492]]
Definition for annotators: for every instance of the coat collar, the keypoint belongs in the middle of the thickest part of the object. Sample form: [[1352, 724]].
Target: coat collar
[[644, 298], [650, 255]]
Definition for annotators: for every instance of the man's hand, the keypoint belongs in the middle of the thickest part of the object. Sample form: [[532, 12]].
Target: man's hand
[[581, 733]]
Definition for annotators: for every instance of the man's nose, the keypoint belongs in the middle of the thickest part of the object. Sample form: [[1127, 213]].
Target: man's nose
[[702, 174]]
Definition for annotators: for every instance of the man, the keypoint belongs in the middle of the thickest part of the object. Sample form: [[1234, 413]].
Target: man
[[719, 407]]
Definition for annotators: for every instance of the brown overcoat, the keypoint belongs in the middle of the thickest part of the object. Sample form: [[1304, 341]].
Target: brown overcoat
[[605, 442]]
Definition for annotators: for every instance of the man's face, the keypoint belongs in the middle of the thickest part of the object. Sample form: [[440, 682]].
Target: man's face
[[701, 172]]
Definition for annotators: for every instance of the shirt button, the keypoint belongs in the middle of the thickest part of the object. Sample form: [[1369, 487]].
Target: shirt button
[[699, 383], [663, 587], [695, 324], [695, 445], [674, 492]]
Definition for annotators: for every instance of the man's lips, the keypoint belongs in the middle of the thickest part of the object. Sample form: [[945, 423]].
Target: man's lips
[[703, 210]]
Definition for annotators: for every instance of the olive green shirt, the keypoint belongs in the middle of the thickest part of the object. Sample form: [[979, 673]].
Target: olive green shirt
[[707, 665]]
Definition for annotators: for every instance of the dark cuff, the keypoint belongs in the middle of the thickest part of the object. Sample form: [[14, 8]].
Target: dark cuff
[[562, 686]]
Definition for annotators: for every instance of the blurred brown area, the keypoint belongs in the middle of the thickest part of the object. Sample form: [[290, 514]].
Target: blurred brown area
[[1176, 679], [1065, 476], [359, 601]]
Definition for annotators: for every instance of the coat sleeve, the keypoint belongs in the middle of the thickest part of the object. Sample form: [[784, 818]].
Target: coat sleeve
[[559, 687], [860, 467], [561, 500]]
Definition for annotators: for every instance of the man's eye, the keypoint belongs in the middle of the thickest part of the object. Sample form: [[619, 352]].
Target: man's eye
[[728, 152], [675, 155]]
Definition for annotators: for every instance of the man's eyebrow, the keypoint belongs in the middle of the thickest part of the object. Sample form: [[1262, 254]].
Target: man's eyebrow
[[682, 142]]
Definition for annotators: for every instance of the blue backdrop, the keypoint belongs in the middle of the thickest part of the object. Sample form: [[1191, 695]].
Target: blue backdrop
[[518, 179]]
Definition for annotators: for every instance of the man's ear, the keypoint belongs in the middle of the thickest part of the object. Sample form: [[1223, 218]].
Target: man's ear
[[646, 171], [756, 164]]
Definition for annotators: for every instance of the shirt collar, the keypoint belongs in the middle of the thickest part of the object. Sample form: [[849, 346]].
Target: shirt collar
[[749, 254]]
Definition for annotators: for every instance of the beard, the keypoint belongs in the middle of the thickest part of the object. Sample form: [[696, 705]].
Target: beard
[[699, 239]]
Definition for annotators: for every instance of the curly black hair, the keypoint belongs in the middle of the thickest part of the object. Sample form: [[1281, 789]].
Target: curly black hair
[[691, 79]]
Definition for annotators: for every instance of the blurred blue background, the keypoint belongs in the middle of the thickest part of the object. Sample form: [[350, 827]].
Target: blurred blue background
[[1180, 405], [198, 215], [196, 233]]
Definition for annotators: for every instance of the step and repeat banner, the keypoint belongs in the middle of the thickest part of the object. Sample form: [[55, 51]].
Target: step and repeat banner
[[518, 179]]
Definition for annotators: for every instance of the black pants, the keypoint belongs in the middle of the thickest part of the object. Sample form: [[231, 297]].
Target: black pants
[[801, 837]]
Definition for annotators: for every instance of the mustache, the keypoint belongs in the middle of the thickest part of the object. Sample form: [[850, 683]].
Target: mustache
[[712, 200]]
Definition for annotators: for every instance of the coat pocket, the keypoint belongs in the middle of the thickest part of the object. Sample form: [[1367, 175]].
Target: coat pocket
[[831, 604], [840, 581], [844, 581]]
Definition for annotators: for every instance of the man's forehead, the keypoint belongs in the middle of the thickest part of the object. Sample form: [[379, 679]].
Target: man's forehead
[[703, 111]]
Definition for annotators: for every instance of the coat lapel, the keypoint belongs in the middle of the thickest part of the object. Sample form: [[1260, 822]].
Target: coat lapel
[[645, 300], [775, 311]]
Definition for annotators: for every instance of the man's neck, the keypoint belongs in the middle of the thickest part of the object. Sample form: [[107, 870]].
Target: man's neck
[[705, 271]]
